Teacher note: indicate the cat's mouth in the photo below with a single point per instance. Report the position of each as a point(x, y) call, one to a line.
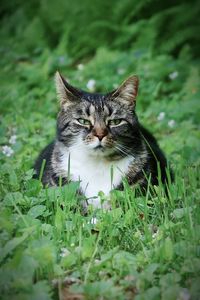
point(99, 147)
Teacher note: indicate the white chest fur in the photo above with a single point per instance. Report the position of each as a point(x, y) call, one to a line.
point(94, 172)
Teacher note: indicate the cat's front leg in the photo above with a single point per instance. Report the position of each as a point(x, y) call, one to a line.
point(98, 204)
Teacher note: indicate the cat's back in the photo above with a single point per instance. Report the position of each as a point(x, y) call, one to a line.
point(156, 157)
point(46, 156)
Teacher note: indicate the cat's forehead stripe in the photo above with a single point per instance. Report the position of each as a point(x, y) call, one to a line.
point(106, 110)
point(96, 99)
point(91, 109)
point(99, 108)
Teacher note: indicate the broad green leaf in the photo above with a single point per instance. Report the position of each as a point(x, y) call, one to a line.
point(33, 187)
point(167, 251)
point(43, 251)
point(36, 211)
point(12, 244)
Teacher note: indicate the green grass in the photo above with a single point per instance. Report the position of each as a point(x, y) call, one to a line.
point(144, 248)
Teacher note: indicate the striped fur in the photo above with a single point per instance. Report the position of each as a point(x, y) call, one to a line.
point(98, 133)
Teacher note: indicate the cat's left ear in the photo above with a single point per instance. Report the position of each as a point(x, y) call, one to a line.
point(127, 92)
point(67, 94)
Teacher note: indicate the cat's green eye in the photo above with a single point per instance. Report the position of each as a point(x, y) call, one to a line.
point(84, 122)
point(115, 122)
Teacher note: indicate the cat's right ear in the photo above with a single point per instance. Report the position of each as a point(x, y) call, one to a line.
point(127, 92)
point(67, 94)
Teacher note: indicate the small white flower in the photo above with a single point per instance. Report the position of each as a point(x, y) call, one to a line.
point(155, 234)
point(97, 261)
point(173, 75)
point(12, 139)
point(64, 252)
point(80, 67)
point(94, 221)
point(161, 116)
point(120, 71)
point(7, 151)
point(171, 123)
point(91, 85)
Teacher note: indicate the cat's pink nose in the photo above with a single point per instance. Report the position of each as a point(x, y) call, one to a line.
point(100, 133)
point(100, 137)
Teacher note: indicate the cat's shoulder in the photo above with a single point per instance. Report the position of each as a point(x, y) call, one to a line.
point(46, 154)
point(147, 135)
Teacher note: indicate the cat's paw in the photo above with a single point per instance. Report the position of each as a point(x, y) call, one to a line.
point(96, 203)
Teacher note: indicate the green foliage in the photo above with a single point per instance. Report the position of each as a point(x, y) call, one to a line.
point(73, 27)
point(145, 247)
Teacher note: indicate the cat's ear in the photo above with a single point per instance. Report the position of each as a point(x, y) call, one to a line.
point(127, 92)
point(67, 94)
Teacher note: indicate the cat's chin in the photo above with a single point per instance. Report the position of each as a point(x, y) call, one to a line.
point(99, 148)
point(102, 152)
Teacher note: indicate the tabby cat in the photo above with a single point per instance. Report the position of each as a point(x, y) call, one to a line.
point(97, 133)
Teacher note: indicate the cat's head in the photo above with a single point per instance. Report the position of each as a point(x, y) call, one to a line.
point(103, 124)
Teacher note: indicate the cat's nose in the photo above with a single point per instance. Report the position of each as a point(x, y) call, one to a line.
point(100, 137)
point(100, 133)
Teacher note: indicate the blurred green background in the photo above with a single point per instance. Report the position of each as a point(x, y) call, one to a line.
point(79, 28)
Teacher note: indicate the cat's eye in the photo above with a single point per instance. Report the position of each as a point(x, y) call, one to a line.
point(115, 122)
point(84, 122)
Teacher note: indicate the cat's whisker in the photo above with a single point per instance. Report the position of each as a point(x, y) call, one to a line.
point(124, 148)
point(122, 151)
point(96, 120)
